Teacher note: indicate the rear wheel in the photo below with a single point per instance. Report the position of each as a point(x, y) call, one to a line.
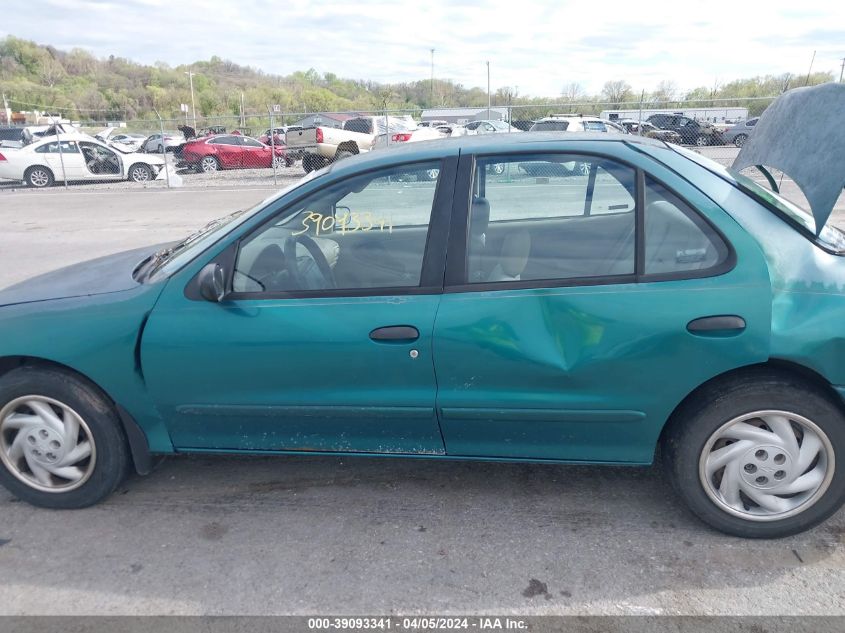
point(739, 139)
point(38, 177)
point(308, 163)
point(61, 444)
point(140, 173)
point(702, 140)
point(209, 164)
point(757, 456)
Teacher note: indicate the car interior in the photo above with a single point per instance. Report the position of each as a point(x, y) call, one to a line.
point(100, 160)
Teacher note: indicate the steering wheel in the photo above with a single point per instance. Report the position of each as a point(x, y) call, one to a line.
point(320, 260)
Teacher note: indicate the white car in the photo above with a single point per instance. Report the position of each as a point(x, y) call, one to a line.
point(492, 126)
point(406, 130)
point(128, 142)
point(575, 123)
point(172, 140)
point(78, 157)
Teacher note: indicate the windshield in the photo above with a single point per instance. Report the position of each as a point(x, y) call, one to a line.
point(830, 237)
point(168, 260)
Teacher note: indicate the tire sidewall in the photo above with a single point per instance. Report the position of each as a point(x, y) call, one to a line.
point(112, 456)
point(141, 165)
point(28, 177)
point(685, 444)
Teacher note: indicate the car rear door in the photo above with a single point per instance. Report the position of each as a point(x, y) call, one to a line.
point(254, 154)
point(579, 310)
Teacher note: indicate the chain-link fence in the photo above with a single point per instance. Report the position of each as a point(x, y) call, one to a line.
point(270, 147)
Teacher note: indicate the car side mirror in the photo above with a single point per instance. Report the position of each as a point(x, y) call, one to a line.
point(212, 283)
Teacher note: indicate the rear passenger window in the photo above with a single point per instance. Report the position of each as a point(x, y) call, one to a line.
point(677, 240)
point(551, 217)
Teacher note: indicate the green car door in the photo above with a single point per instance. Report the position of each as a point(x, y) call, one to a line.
point(323, 339)
point(580, 309)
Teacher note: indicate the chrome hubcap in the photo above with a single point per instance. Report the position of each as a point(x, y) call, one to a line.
point(39, 178)
point(46, 444)
point(767, 465)
point(139, 174)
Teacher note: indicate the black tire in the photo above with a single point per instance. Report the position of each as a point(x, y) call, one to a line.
point(308, 163)
point(112, 459)
point(140, 172)
point(209, 164)
point(38, 177)
point(702, 140)
point(341, 154)
point(739, 139)
point(701, 416)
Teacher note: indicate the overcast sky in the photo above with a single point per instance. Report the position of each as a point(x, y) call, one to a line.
point(539, 47)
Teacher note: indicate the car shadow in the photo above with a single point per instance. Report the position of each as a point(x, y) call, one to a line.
point(264, 535)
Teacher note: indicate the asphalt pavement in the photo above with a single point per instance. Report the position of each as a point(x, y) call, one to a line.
point(301, 535)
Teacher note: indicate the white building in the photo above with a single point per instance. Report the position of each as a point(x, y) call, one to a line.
point(715, 114)
point(464, 115)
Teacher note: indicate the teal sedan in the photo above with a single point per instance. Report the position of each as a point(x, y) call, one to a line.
point(543, 298)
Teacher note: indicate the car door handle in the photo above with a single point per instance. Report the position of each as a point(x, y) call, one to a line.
point(716, 323)
point(395, 333)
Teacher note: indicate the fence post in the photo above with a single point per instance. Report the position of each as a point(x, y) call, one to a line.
point(272, 145)
point(163, 148)
point(61, 155)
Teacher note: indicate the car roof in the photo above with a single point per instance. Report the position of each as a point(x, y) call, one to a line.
point(484, 143)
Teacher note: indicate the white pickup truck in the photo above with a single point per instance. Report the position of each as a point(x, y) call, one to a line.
point(322, 145)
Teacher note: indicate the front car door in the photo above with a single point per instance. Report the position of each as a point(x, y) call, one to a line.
point(568, 329)
point(228, 150)
point(324, 341)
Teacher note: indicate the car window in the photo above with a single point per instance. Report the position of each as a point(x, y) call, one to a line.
point(677, 239)
point(550, 126)
point(249, 142)
point(226, 140)
point(67, 147)
point(363, 126)
point(751, 122)
point(366, 232)
point(551, 217)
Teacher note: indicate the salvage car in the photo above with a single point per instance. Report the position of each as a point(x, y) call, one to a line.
point(75, 157)
point(230, 151)
point(665, 302)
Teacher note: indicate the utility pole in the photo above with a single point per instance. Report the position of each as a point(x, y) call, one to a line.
point(488, 90)
point(193, 103)
point(8, 110)
point(431, 97)
point(841, 70)
point(807, 80)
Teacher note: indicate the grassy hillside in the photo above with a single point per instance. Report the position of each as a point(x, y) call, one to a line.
point(82, 86)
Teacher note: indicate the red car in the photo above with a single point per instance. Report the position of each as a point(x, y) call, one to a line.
point(230, 151)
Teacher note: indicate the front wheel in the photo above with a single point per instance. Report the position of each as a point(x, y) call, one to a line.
point(702, 140)
point(140, 173)
point(757, 456)
point(61, 444)
point(739, 139)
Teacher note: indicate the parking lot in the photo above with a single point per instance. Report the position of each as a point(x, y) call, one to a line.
point(292, 535)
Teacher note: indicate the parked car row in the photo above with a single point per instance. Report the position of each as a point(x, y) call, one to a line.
point(75, 157)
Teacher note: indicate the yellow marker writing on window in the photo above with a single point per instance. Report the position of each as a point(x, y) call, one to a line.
point(345, 223)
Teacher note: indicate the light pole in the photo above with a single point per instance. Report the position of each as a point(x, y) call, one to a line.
point(488, 90)
point(193, 103)
point(431, 97)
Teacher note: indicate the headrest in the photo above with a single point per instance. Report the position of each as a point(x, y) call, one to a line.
point(516, 248)
point(479, 216)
